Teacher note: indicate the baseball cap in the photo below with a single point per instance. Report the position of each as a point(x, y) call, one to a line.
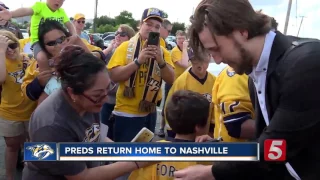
point(152, 13)
point(78, 16)
point(3, 5)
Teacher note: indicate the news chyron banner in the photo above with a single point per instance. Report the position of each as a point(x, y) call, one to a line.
point(141, 151)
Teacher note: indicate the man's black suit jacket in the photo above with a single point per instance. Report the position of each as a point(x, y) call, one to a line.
point(293, 105)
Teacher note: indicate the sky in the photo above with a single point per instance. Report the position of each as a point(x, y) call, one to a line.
point(181, 10)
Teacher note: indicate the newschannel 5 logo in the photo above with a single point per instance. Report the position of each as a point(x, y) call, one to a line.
point(40, 151)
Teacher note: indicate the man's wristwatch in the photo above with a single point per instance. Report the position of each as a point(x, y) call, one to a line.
point(164, 64)
point(136, 62)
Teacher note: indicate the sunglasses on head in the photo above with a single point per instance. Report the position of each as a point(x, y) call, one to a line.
point(122, 34)
point(13, 46)
point(81, 22)
point(60, 40)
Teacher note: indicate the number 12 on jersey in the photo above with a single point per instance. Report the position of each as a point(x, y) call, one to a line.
point(275, 150)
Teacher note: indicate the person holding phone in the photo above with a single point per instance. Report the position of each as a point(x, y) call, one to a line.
point(139, 66)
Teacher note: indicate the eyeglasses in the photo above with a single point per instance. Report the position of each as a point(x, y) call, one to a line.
point(122, 34)
point(111, 86)
point(60, 40)
point(13, 46)
point(81, 22)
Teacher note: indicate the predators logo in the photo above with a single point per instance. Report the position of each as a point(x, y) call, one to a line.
point(41, 151)
point(208, 96)
point(230, 72)
point(92, 134)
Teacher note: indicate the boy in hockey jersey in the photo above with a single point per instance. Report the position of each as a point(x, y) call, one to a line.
point(181, 116)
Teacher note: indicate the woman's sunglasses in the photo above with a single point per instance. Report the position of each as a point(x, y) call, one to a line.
point(81, 22)
point(122, 34)
point(60, 40)
point(13, 46)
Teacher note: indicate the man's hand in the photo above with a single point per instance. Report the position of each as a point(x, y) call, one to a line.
point(5, 14)
point(203, 138)
point(197, 172)
point(146, 53)
point(3, 43)
point(185, 44)
point(157, 53)
point(44, 77)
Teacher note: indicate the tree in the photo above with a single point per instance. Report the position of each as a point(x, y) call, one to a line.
point(164, 14)
point(177, 26)
point(102, 20)
point(125, 17)
point(106, 28)
point(88, 25)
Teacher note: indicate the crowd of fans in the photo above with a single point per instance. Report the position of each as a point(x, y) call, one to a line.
point(57, 87)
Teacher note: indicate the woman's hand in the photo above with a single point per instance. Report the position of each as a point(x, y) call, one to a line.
point(3, 43)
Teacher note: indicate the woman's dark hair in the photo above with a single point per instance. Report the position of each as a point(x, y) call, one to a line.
point(47, 26)
point(186, 110)
point(77, 69)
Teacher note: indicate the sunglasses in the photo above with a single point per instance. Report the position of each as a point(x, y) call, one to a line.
point(13, 46)
point(122, 34)
point(111, 86)
point(81, 22)
point(60, 40)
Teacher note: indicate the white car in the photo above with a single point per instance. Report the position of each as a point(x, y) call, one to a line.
point(170, 45)
point(215, 69)
point(171, 38)
point(107, 40)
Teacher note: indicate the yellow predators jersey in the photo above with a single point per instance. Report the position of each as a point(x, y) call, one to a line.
point(189, 81)
point(162, 170)
point(232, 104)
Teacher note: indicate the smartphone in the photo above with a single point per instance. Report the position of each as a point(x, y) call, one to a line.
point(154, 38)
point(145, 135)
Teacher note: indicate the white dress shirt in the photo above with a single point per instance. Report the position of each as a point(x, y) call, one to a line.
point(259, 75)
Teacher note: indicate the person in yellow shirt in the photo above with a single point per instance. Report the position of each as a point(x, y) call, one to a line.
point(179, 57)
point(15, 108)
point(180, 113)
point(79, 21)
point(179, 54)
point(139, 69)
point(25, 45)
point(165, 31)
point(233, 109)
point(124, 33)
point(196, 79)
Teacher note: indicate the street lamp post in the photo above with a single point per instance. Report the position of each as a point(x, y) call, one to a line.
point(95, 16)
point(288, 17)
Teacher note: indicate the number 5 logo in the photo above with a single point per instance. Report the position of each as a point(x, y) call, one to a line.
point(275, 150)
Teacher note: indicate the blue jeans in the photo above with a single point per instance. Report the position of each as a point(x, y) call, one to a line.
point(105, 114)
point(126, 128)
